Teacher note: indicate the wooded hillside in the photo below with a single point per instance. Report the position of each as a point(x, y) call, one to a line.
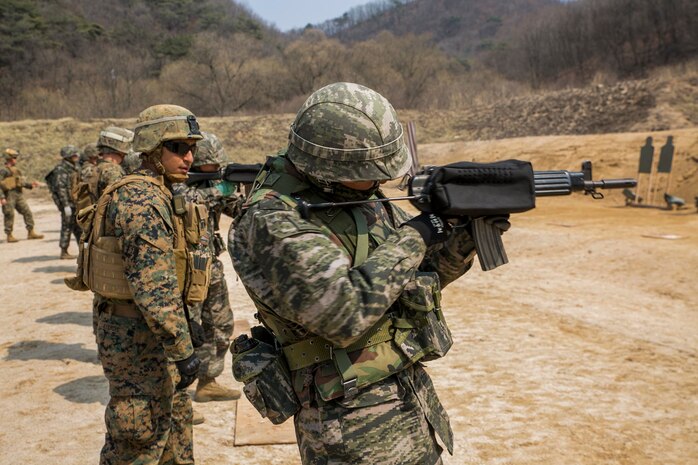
point(111, 59)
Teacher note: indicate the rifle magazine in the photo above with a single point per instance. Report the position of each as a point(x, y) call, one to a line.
point(488, 244)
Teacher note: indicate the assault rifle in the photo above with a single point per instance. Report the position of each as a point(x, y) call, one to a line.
point(476, 190)
point(234, 172)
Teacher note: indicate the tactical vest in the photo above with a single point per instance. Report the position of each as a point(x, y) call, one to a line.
point(12, 182)
point(101, 266)
point(412, 329)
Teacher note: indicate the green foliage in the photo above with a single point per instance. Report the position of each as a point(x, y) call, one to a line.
point(174, 47)
point(450, 26)
point(21, 28)
point(247, 25)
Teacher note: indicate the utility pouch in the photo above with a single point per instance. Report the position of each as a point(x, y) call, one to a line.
point(261, 366)
point(195, 222)
point(199, 276)
point(421, 331)
point(105, 273)
point(9, 183)
point(84, 220)
point(84, 195)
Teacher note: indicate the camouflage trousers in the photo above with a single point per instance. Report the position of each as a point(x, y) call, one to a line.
point(216, 317)
point(16, 201)
point(391, 422)
point(148, 422)
point(69, 225)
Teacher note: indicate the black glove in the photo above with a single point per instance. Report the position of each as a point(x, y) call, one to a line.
point(188, 371)
point(501, 222)
point(197, 333)
point(431, 227)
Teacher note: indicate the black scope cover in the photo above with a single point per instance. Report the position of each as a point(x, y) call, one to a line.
point(481, 189)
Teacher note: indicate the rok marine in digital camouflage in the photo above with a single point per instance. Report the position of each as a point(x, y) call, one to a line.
point(61, 181)
point(352, 295)
point(214, 313)
point(11, 185)
point(143, 339)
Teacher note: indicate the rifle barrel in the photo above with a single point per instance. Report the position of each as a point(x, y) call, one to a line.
point(563, 182)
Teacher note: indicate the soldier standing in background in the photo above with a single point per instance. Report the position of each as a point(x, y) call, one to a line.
point(351, 294)
point(114, 144)
point(215, 314)
point(143, 340)
point(11, 198)
point(88, 162)
point(82, 188)
point(61, 181)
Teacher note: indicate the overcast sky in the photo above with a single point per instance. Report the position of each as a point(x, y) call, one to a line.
point(289, 14)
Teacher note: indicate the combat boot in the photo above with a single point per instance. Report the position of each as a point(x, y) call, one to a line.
point(65, 255)
point(31, 234)
point(197, 418)
point(207, 390)
point(11, 238)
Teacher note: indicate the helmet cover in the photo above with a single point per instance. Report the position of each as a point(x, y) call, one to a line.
point(115, 139)
point(348, 132)
point(209, 151)
point(161, 123)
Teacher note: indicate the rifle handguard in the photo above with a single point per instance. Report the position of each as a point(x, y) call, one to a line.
point(475, 189)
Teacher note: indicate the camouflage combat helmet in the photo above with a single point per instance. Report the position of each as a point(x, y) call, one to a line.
point(89, 151)
point(161, 123)
point(210, 151)
point(69, 150)
point(11, 153)
point(115, 139)
point(348, 132)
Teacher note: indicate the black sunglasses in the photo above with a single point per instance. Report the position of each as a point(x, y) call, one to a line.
point(180, 148)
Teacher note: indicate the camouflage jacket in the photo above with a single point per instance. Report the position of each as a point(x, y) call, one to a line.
point(63, 177)
point(87, 170)
point(217, 200)
point(301, 272)
point(141, 216)
point(131, 162)
point(107, 173)
point(6, 172)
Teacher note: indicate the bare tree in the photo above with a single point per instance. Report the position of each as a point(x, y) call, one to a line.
point(220, 77)
point(313, 60)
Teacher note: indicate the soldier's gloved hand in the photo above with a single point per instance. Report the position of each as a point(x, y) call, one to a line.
point(197, 333)
point(431, 227)
point(501, 222)
point(68, 212)
point(226, 188)
point(188, 371)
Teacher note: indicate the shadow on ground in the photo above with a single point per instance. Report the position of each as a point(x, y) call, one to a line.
point(55, 269)
point(87, 390)
point(37, 258)
point(68, 318)
point(44, 350)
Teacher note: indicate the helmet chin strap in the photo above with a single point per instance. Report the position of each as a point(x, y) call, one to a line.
point(153, 159)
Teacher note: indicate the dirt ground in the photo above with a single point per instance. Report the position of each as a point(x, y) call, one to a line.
point(582, 350)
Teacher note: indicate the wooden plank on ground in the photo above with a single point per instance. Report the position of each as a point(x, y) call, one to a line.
point(250, 427)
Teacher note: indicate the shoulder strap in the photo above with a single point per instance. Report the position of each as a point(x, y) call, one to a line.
point(106, 198)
